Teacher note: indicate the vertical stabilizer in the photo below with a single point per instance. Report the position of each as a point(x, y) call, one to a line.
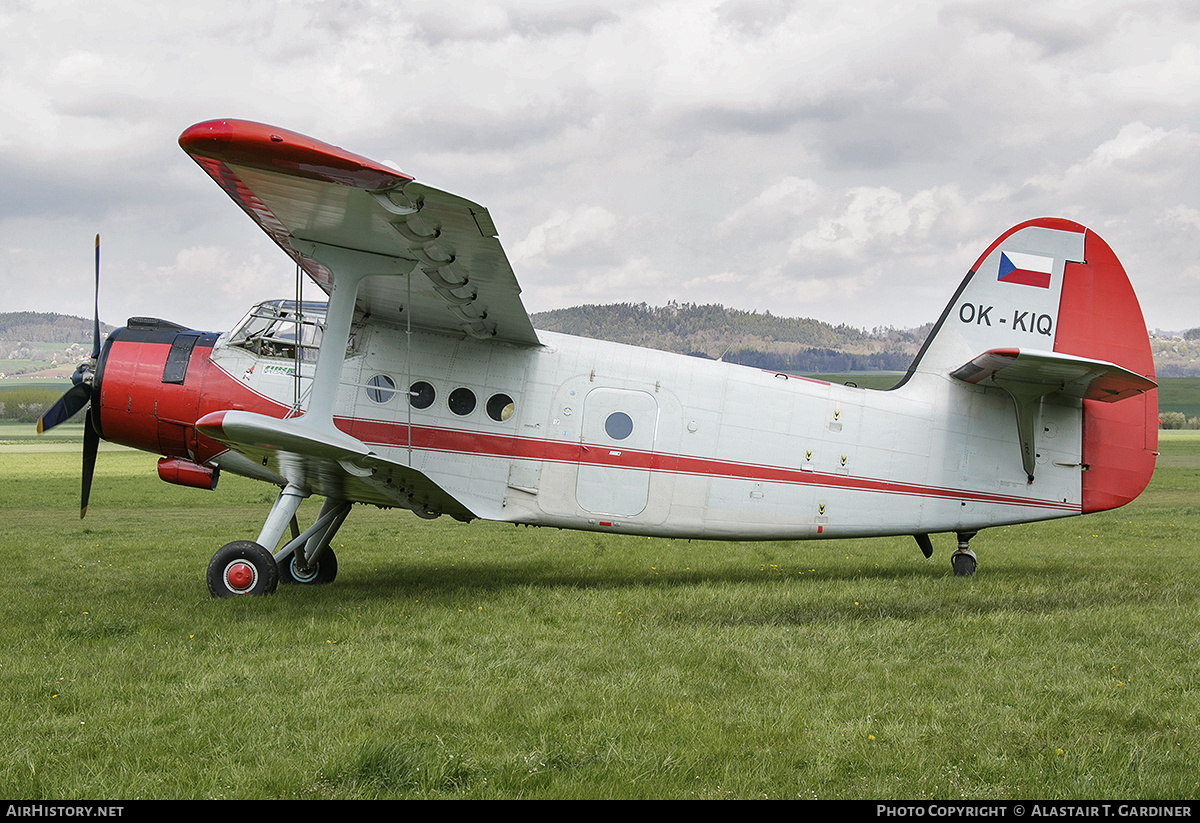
point(1044, 290)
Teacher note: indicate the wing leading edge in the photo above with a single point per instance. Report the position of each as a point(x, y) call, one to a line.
point(331, 211)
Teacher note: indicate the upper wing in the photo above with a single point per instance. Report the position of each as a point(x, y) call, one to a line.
point(329, 209)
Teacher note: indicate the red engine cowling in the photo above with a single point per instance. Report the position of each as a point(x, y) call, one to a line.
point(154, 380)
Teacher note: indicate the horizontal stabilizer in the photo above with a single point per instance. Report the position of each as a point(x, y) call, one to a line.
point(1059, 373)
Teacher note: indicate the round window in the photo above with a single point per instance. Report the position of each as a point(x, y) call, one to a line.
point(421, 395)
point(500, 407)
point(618, 425)
point(380, 388)
point(462, 401)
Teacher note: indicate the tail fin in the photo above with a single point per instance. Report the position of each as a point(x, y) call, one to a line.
point(1051, 295)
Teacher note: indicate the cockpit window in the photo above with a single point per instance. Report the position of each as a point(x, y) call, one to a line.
point(270, 330)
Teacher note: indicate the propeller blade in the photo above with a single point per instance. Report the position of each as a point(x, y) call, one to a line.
point(91, 442)
point(96, 325)
point(91, 437)
point(70, 403)
point(77, 397)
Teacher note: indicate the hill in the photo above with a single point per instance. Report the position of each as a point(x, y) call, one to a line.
point(792, 344)
point(795, 344)
point(43, 344)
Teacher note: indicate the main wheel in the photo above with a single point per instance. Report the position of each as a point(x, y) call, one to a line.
point(324, 571)
point(242, 568)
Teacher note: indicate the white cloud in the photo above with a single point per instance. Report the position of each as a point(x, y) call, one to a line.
point(756, 153)
point(566, 233)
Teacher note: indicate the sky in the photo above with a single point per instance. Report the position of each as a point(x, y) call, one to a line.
point(844, 160)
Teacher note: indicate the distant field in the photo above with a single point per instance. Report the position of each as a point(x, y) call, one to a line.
point(1179, 394)
point(26, 398)
point(487, 661)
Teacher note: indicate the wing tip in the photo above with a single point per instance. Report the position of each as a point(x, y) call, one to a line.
point(261, 146)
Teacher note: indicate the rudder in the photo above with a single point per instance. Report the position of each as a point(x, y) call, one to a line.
point(1099, 317)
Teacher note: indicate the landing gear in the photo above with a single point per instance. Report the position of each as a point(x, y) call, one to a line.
point(322, 570)
point(242, 568)
point(245, 567)
point(963, 559)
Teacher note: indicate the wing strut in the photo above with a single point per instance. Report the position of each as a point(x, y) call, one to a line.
point(351, 268)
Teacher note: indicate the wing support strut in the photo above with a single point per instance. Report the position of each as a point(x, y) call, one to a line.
point(351, 267)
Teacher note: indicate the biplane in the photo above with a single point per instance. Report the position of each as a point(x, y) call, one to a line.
point(416, 380)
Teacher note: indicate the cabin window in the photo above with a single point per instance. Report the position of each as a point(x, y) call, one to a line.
point(380, 388)
point(500, 407)
point(462, 401)
point(421, 395)
point(618, 425)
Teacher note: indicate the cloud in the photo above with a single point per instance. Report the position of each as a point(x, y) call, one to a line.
point(584, 230)
point(756, 153)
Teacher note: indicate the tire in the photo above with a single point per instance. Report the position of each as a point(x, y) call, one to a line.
point(325, 571)
point(242, 568)
point(963, 563)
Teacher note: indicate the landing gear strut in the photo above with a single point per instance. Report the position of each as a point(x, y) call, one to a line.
point(245, 567)
point(963, 559)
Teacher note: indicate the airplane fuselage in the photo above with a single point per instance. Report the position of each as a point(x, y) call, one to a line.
point(587, 434)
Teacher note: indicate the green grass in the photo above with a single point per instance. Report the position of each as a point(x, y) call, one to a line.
point(488, 661)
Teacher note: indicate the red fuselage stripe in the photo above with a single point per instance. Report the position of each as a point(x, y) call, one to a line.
point(454, 441)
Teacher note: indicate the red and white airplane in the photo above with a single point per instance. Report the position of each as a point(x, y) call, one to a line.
point(418, 382)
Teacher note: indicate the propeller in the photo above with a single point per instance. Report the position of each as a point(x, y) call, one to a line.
point(78, 396)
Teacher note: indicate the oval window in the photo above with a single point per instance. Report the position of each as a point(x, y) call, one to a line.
point(618, 425)
point(500, 407)
point(421, 395)
point(462, 401)
point(380, 388)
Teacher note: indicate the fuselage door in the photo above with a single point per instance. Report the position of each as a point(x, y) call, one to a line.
point(619, 428)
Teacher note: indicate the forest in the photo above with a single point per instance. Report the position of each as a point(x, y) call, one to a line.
point(762, 340)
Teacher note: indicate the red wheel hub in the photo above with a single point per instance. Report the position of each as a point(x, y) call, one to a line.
point(240, 576)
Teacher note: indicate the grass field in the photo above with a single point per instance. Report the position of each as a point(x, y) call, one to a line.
point(488, 661)
point(1179, 394)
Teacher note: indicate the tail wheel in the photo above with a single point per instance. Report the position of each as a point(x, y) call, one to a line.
point(963, 562)
point(242, 568)
point(324, 571)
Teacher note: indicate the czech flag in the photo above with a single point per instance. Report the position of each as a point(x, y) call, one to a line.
point(1026, 269)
